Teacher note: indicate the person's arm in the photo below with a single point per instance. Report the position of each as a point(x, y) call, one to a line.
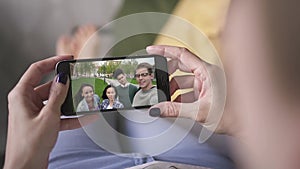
point(32, 126)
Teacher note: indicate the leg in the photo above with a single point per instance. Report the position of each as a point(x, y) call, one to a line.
point(74, 149)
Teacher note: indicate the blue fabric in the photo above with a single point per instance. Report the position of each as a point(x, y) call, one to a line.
point(214, 153)
point(74, 149)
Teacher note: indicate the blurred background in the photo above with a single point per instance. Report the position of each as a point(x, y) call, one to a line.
point(29, 31)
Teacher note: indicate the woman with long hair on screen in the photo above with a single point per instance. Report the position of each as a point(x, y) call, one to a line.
point(109, 97)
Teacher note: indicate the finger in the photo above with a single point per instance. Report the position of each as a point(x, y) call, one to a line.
point(89, 30)
point(187, 61)
point(38, 69)
point(172, 66)
point(192, 111)
point(176, 109)
point(74, 123)
point(58, 93)
point(203, 82)
point(43, 90)
point(181, 82)
point(63, 45)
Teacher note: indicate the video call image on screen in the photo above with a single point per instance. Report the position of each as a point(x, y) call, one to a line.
point(113, 84)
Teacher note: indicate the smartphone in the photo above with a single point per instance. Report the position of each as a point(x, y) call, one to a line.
point(114, 83)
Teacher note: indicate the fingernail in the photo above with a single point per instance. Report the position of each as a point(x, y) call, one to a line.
point(154, 112)
point(62, 78)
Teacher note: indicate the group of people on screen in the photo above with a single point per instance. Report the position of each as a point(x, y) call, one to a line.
point(123, 95)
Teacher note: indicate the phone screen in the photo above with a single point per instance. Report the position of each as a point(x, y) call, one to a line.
point(110, 84)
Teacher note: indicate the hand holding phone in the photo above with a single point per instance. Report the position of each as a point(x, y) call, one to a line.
point(205, 101)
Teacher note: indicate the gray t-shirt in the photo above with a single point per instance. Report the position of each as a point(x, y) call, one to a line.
point(143, 98)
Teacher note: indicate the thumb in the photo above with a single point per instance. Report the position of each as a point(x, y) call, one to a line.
point(176, 109)
point(58, 93)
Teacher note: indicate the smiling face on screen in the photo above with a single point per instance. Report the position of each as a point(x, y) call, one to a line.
point(144, 78)
point(87, 93)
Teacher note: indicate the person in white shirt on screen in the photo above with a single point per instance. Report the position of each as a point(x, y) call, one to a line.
point(147, 93)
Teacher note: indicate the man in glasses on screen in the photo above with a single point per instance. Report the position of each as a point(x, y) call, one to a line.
point(147, 93)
